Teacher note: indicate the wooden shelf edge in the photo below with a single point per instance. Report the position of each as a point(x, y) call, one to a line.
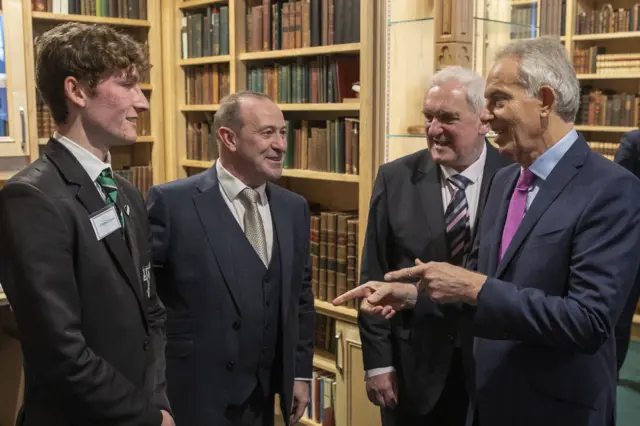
point(611, 129)
point(636, 319)
point(344, 106)
point(199, 108)
point(336, 312)
point(196, 163)
point(204, 60)
point(324, 361)
point(606, 36)
point(611, 76)
point(199, 3)
point(6, 175)
point(308, 422)
point(315, 175)
point(57, 17)
point(139, 139)
point(305, 51)
point(146, 86)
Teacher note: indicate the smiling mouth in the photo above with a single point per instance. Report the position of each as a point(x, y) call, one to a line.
point(132, 120)
point(275, 159)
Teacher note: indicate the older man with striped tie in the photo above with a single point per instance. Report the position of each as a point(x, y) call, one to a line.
point(425, 205)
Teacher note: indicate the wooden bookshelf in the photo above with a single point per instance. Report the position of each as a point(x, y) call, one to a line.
point(604, 129)
point(302, 174)
point(220, 59)
point(60, 18)
point(610, 76)
point(319, 187)
point(307, 51)
point(194, 4)
point(606, 36)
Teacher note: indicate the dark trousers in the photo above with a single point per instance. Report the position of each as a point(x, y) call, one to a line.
point(450, 410)
point(257, 410)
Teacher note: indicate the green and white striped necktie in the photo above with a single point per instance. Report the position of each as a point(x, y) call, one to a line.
point(110, 189)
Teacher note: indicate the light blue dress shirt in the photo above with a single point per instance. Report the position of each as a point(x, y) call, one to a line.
point(544, 164)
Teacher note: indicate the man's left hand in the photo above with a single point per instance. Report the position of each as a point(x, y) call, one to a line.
point(443, 282)
point(301, 398)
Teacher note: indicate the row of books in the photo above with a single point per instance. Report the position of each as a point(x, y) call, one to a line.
point(318, 80)
point(206, 84)
point(321, 408)
point(606, 19)
point(282, 24)
point(593, 60)
point(201, 141)
point(524, 17)
point(324, 336)
point(334, 254)
point(139, 176)
point(552, 17)
point(131, 9)
point(325, 146)
point(605, 148)
point(205, 33)
point(603, 107)
point(46, 125)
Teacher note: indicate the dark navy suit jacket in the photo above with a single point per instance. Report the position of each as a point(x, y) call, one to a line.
point(544, 345)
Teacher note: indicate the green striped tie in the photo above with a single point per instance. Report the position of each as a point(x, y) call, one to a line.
point(110, 189)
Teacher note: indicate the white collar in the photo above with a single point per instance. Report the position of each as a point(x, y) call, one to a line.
point(89, 162)
point(233, 186)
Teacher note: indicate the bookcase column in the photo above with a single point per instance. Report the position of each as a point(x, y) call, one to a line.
point(453, 33)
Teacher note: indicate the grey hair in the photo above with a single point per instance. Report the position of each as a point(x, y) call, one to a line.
point(229, 114)
point(544, 61)
point(473, 83)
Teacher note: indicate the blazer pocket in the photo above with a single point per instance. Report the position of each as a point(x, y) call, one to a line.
point(545, 237)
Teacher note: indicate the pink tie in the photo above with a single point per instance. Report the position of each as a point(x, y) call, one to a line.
point(516, 208)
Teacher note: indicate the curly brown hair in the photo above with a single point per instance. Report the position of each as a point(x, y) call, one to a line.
point(88, 52)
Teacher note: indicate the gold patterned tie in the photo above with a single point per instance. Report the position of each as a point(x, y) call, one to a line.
point(253, 227)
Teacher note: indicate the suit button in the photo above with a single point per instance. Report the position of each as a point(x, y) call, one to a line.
point(267, 279)
point(230, 365)
point(268, 304)
point(267, 326)
point(237, 325)
point(145, 346)
point(264, 349)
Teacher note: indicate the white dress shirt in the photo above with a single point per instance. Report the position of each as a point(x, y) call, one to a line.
point(230, 188)
point(89, 162)
point(474, 173)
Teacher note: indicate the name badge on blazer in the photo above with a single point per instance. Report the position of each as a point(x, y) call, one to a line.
point(105, 221)
point(146, 279)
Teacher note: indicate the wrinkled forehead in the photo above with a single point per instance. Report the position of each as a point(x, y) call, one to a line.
point(260, 112)
point(504, 76)
point(446, 98)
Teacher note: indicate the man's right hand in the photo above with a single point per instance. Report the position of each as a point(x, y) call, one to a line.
point(167, 420)
point(382, 390)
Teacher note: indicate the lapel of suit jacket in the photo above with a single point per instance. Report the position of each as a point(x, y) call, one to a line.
point(550, 188)
point(429, 190)
point(90, 198)
point(284, 233)
point(215, 217)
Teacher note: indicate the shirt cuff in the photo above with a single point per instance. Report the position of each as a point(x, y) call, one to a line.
point(377, 371)
point(303, 379)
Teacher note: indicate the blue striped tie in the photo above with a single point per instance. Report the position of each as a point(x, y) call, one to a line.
point(456, 221)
